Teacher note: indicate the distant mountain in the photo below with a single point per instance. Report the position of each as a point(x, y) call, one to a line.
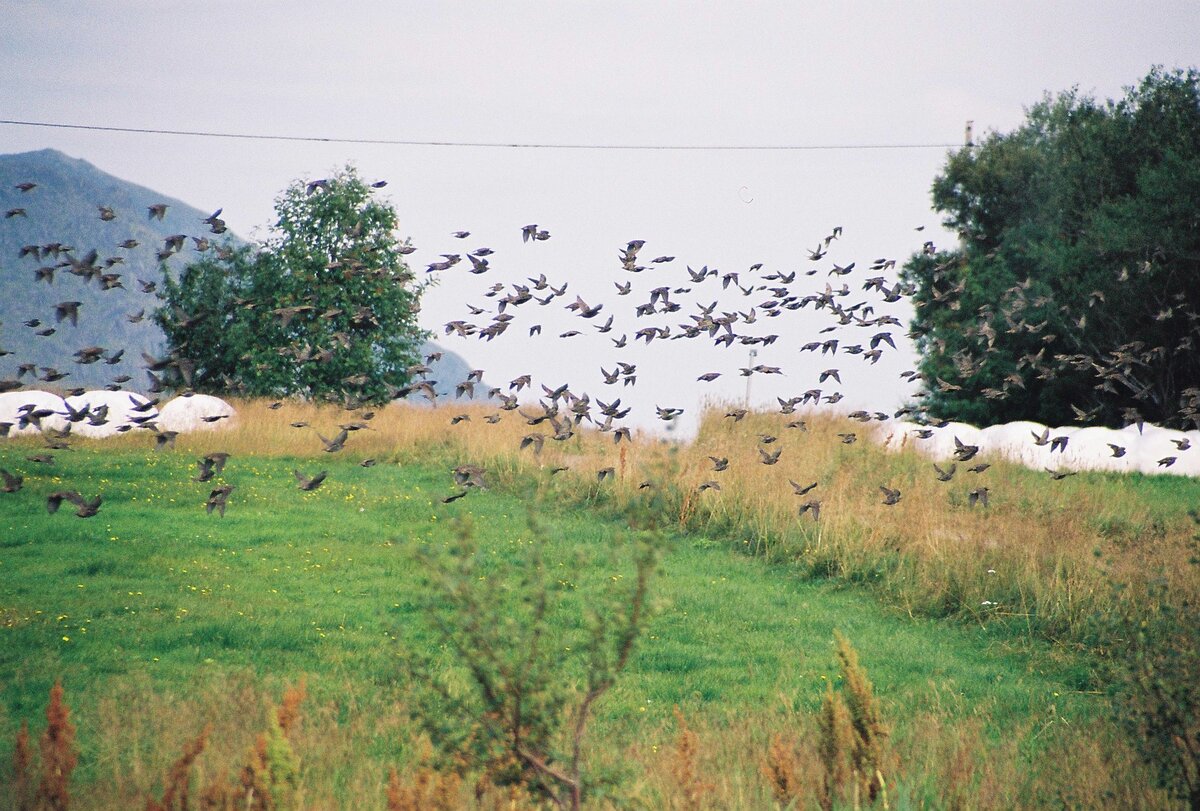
point(59, 220)
point(64, 209)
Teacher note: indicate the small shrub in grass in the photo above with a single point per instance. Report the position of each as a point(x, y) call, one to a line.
point(836, 744)
point(22, 761)
point(176, 792)
point(58, 754)
point(58, 760)
point(870, 733)
point(852, 736)
point(521, 714)
point(851, 747)
point(270, 780)
point(784, 772)
point(428, 790)
point(273, 772)
point(691, 788)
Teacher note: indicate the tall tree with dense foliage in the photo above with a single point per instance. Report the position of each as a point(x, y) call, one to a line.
point(325, 307)
point(1074, 292)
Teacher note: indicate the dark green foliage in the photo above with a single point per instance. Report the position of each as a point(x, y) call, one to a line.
point(1074, 293)
point(324, 308)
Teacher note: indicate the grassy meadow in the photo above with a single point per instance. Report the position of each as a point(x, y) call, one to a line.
point(981, 630)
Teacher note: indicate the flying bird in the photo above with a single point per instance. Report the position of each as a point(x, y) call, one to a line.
point(1059, 475)
point(67, 309)
point(470, 476)
point(306, 484)
point(12, 482)
point(769, 458)
point(84, 508)
point(337, 443)
point(964, 452)
point(813, 506)
point(218, 498)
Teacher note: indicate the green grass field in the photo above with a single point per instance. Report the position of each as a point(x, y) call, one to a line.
point(154, 615)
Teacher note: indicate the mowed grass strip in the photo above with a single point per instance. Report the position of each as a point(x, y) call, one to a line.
point(155, 594)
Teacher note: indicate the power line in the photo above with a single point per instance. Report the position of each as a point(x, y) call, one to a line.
point(477, 144)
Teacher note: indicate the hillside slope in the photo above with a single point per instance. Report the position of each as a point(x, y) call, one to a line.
point(63, 209)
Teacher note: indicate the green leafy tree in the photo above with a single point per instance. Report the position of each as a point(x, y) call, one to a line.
point(325, 307)
point(1074, 292)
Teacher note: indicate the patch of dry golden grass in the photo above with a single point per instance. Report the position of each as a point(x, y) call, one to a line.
point(772, 757)
point(1031, 554)
point(1043, 556)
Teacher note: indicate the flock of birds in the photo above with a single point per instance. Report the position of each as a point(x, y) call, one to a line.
point(670, 307)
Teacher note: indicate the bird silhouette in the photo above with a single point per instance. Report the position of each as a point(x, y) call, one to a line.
point(218, 498)
point(12, 482)
point(84, 508)
point(306, 484)
point(470, 476)
point(337, 443)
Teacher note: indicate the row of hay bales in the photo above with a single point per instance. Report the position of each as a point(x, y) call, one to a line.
point(183, 414)
point(1147, 449)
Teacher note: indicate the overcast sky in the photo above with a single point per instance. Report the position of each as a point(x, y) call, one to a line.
point(612, 73)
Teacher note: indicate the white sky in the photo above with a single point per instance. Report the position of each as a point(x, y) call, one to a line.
point(598, 73)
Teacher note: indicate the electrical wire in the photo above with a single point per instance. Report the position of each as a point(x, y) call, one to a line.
point(475, 144)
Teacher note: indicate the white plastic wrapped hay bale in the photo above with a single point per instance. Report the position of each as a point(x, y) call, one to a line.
point(1144, 431)
point(945, 440)
point(1156, 447)
point(199, 412)
point(120, 405)
point(1055, 453)
point(1089, 449)
point(897, 436)
point(1014, 441)
point(1187, 461)
point(12, 402)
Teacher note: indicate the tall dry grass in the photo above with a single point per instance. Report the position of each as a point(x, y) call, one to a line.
point(1043, 558)
point(312, 757)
